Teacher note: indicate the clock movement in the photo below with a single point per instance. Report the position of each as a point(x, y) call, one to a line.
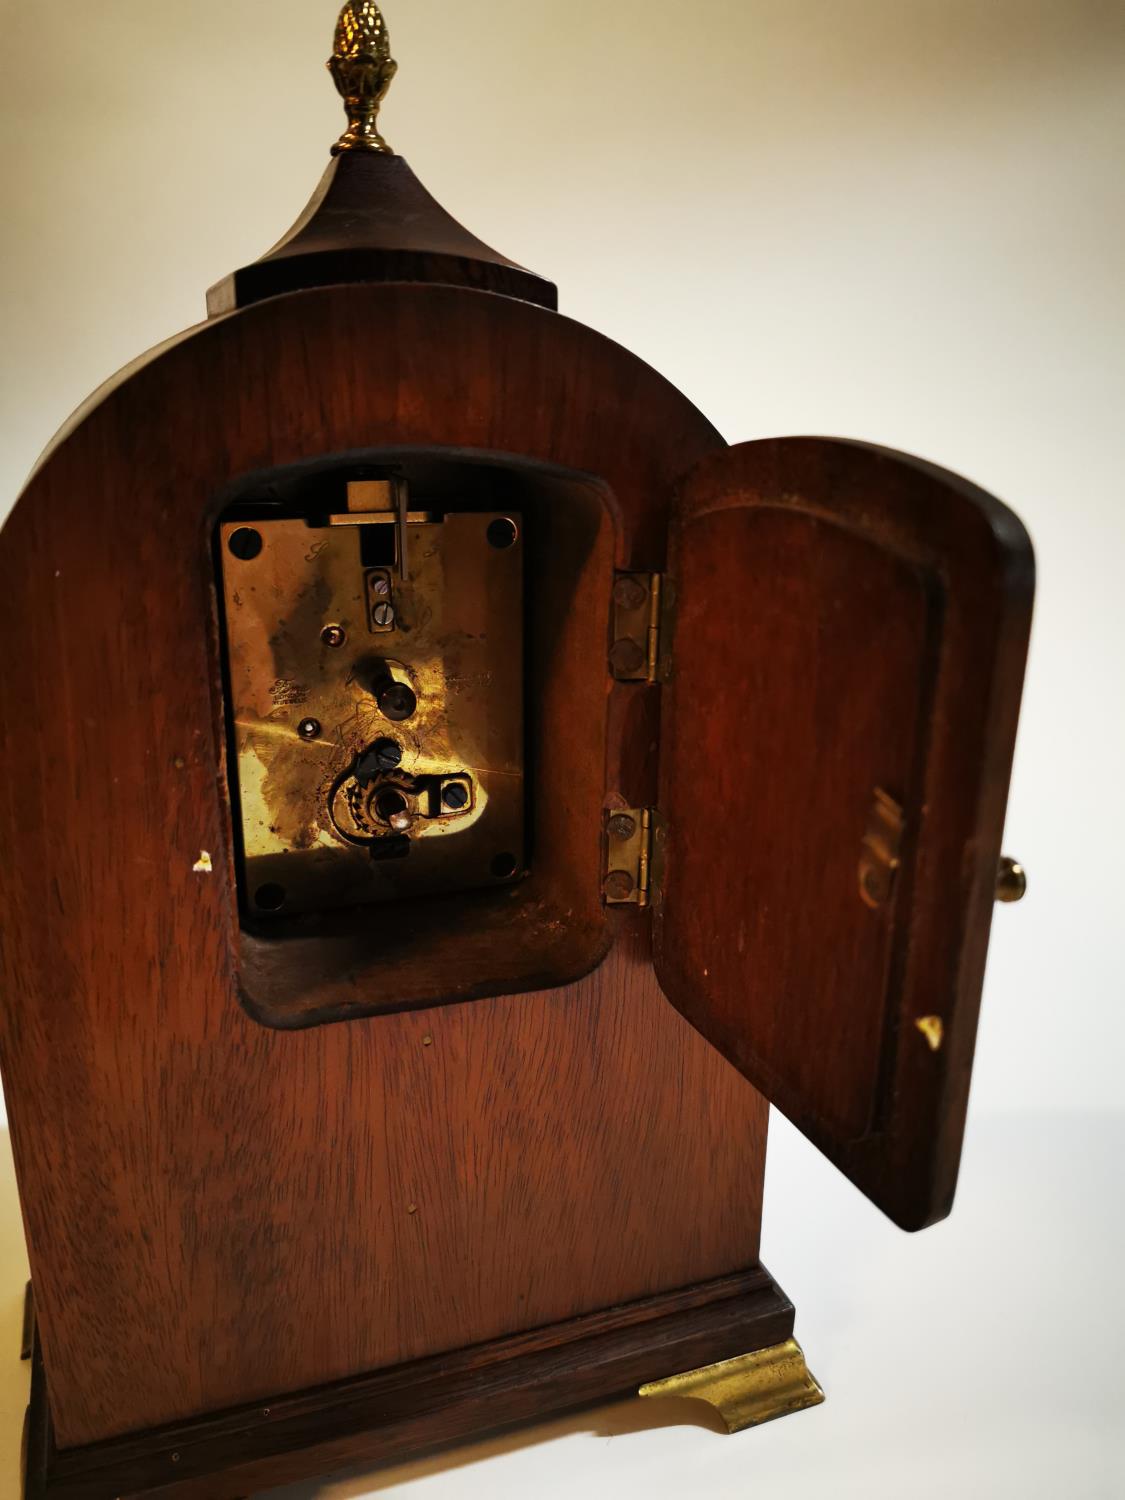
point(450, 795)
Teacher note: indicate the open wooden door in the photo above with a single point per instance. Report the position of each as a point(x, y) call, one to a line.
point(848, 638)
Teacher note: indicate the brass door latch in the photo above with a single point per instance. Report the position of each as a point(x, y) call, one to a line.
point(880, 857)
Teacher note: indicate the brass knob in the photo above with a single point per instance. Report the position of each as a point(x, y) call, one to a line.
point(362, 68)
point(1011, 881)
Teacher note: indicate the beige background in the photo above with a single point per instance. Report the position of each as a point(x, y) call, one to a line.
point(890, 219)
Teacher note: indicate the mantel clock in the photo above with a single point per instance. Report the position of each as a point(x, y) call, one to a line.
point(450, 793)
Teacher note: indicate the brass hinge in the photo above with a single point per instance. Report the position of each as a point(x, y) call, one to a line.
point(640, 608)
point(629, 872)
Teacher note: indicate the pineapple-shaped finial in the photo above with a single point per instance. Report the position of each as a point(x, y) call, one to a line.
point(362, 68)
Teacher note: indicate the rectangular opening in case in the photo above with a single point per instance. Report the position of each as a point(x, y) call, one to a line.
point(415, 668)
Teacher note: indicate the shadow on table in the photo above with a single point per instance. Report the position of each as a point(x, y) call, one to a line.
point(621, 1419)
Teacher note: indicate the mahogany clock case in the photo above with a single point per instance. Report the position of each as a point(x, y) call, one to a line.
point(344, 1183)
point(234, 1193)
point(219, 1211)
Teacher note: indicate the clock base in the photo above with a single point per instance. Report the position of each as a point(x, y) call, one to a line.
point(396, 1414)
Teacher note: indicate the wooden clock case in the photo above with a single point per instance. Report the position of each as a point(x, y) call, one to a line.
point(344, 1186)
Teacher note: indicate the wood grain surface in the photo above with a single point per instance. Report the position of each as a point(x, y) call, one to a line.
point(848, 620)
point(415, 1408)
point(217, 1211)
point(370, 219)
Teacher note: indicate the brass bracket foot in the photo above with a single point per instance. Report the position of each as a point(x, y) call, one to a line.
point(751, 1389)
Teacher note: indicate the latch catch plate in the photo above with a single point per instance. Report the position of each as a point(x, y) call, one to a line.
point(880, 850)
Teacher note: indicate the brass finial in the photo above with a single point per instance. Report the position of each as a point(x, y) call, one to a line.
point(362, 68)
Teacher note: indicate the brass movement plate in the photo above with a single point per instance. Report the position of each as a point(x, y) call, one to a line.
point(330, 661)
point(749, 1390)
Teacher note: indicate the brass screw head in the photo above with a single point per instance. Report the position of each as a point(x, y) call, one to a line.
point(622, 826)
point(629, 593)
point(388, 755)
point(627, 656)
point(383, 755)
point(619, 885)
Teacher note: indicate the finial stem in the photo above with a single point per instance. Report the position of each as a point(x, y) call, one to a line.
point(362, 68)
